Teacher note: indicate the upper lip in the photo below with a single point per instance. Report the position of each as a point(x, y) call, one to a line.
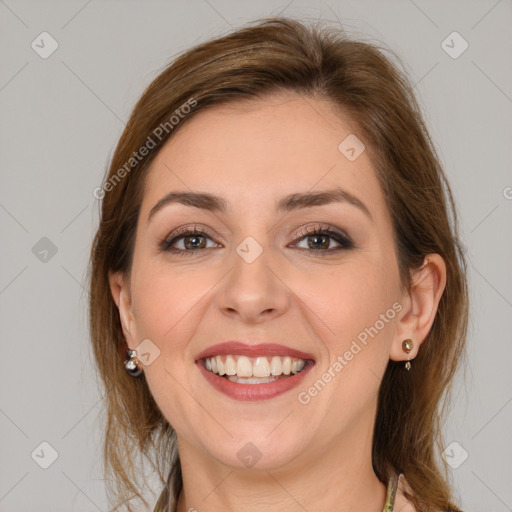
point(252, 350)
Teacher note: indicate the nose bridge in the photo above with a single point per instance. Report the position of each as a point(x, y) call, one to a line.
point(252, 260)
point(252, 288)
point(253, 239)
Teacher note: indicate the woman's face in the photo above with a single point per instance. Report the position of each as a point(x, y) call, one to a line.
point(260, 277)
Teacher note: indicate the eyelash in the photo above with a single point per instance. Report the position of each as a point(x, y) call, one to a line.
point(344, 241)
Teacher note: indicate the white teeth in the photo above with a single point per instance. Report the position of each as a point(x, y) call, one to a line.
point(276, 366)
point(261, 368)
point(220, 366)
point(230, 366)
point(287, 363)
point(251, 380)
point(242, 368)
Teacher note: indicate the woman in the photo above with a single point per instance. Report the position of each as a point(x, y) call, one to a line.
point(278, 294)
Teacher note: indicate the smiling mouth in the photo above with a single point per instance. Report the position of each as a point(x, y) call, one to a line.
point(255, 370)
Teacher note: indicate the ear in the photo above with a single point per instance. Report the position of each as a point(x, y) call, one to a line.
point(420, 304)
point(120, 289)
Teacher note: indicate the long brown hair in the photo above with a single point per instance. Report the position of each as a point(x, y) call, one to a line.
point(276, 55)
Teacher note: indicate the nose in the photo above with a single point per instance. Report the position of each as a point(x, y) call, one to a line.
point(254, 290)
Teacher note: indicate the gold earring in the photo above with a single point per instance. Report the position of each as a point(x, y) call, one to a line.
point(407, 346)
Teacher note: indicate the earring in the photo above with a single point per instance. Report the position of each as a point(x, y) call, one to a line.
point(407, 346)
point(132, 364)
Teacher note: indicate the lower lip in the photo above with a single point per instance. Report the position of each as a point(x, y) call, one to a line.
point(253, 392)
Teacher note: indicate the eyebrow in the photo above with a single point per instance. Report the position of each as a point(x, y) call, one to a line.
point(288, 203)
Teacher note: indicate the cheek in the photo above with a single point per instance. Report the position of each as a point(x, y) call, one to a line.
point(349, 308)
point(348, 299)
point(167, 303)
point(355, 303)
point(169, 309)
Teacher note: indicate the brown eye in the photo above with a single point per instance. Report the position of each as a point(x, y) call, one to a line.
point(319, 240)
point(191, 241)
point(195, 241)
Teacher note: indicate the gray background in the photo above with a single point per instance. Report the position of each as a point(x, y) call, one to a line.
point(60, 120)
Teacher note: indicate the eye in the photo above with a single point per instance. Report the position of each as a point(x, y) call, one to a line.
point(319, 240)
point(192, 240)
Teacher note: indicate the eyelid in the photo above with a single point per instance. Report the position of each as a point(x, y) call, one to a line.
point(304, 231)
point(298, 235)
point(177, 233)
point(185, 229)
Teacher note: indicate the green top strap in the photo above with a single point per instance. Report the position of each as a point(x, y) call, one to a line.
point(390, 498)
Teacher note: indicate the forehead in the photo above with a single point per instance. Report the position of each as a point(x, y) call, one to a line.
point(252, 153)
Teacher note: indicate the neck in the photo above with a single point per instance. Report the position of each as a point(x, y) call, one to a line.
point(325, 477)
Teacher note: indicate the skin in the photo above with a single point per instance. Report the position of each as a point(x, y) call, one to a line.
point(314, 456)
